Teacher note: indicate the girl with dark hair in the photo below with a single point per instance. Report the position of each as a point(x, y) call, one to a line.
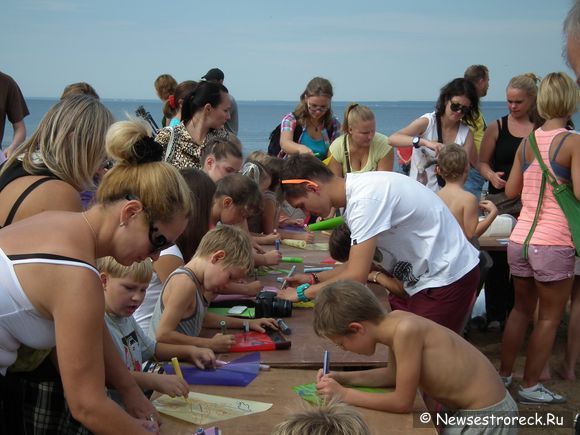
point(449, 123)
point(202, 189)
point(172, 107)
point(314, 116)
point(203, 115)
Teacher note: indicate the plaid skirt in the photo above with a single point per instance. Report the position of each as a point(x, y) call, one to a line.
point(34, 404)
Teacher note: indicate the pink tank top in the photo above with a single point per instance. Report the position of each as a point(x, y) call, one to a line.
point(552, 227)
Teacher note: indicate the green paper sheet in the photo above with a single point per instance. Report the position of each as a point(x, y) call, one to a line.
point(248, 313)
point(308, 392)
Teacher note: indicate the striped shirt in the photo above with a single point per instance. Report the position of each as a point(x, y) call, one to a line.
point(552, 228)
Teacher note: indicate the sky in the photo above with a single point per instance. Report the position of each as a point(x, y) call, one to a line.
point(371, 50)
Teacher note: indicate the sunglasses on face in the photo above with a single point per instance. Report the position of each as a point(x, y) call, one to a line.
point(456, 107)
point(158, 241)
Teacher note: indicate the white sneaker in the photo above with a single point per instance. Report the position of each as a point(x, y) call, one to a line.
point(507, 380)
point(494, 325)
point(539, 394)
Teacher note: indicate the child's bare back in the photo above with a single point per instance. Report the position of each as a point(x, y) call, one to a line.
point(463, 205)
point(452, 371)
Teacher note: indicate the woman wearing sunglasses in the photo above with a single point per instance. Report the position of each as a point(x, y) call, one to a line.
point(454, 110)
point(52, 295)
point(318, 127)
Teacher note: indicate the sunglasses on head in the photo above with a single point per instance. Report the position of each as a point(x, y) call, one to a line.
point(300, 181)
point(456, 107)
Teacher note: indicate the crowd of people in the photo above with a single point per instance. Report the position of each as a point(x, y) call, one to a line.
point(115, 239)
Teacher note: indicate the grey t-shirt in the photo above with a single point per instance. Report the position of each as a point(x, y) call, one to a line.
point(133, 345)
point(193, 324)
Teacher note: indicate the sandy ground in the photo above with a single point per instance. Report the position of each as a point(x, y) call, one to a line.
point(489, 343)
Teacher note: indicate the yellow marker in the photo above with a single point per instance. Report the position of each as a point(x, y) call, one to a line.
point(177, 370)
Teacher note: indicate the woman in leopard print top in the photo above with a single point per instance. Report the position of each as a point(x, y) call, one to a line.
point(203, 114)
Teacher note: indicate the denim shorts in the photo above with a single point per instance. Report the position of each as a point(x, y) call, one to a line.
point(545, 263)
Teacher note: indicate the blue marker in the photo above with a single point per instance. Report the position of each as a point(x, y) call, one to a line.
point(317, 269)
point(277, 244)
point(325, 363)
point(285, 283)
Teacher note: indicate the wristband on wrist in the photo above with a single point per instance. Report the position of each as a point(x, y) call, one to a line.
point(377, 273)
point(300, 292)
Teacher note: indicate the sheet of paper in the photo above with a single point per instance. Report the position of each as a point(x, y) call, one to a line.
point(308, 392)
point(238, 373)
point(205, 408)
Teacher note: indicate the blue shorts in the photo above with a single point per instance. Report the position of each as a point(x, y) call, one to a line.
point(545, 263)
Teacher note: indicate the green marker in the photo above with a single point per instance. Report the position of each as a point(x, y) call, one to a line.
point(327, 224)
point(292, 260)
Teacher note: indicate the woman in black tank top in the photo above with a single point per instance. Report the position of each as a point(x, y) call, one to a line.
point(496, 157)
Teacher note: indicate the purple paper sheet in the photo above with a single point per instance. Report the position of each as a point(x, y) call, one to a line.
point(238, 373)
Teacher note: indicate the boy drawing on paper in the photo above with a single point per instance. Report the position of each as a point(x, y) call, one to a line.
point(224, 255)
point(125, 288)
point(453, 166)
point(423, 355)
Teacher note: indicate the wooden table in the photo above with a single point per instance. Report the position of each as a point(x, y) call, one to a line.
point(307, 348)
point(275, 387)
point(492, 244)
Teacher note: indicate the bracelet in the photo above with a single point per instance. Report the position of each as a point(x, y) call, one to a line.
point(315, 279)
point(377, 273)
point(300, 292)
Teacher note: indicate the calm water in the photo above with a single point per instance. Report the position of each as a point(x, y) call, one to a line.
point(258, 118)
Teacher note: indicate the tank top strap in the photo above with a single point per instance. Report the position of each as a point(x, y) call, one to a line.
point(43, 258)
point(22, 197)
point(557, 150)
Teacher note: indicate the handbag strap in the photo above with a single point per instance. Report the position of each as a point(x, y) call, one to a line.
point(346, 154)
point(169, 150)
point(546, 177)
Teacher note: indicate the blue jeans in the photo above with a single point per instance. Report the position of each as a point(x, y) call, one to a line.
point(474, 182)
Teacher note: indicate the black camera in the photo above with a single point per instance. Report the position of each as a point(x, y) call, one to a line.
point(268, 305)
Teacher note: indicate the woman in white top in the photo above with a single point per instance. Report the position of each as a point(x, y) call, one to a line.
point(360, 148)
point(141, 207)
point(454, 111)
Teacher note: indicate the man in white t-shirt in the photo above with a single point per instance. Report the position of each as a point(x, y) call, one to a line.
point(420, 242)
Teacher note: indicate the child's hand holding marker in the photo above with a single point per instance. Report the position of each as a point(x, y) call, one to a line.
point(221, 342)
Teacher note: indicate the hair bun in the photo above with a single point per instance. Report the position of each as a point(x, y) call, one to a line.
point(146, 150)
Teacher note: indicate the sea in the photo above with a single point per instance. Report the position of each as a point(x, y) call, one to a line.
point(258, 118)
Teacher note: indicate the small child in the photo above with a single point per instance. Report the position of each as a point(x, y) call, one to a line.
point(237, 198)
point(224, 255)
point(267, 222)
point(333, 418)
point(339, 249)
point(124, 288)
point(422, 354)
point(220, 158)
point(453, 166)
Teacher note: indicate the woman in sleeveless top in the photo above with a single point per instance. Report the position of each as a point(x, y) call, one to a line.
point(141, 207)
point(360, 148)
point(496, 156)
point(204, 113)
point(314, 115)
point(449, 123)
point(545, 276)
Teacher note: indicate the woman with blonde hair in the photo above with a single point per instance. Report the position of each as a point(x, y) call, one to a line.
point(58, 161)
point(360, 148)
point(52, 292)
point(496, 157)
point(543, 273)
point(313, 120)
